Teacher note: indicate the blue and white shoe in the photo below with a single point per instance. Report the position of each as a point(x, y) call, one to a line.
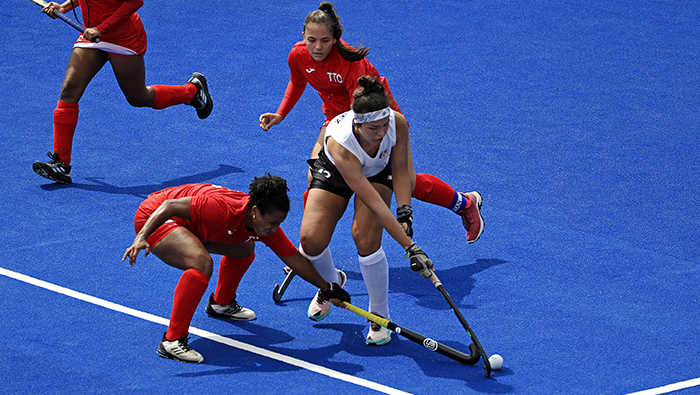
point(378, 335)
point(319, 308)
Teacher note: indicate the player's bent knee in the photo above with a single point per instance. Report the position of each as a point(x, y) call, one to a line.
point(310, 247)
point(203, 263)
point(138, 101)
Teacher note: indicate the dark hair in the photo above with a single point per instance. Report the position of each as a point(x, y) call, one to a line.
point(325, 15)
point(269, 193)
point(370, 96)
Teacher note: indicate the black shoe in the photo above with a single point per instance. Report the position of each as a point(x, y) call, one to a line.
point(54, 170)
point(202, 100)
point(232, 311)
point(179, 350)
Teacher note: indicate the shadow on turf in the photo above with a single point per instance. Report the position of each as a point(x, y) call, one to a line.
point(234, 361)
point(458, 282)
point(144, 190)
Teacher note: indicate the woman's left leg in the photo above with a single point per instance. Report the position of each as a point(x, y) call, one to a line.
point(130, 72)
point(367, 233)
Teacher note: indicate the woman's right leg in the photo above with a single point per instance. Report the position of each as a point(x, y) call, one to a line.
point(183, 250)
point(323, 211)
point(83, 65)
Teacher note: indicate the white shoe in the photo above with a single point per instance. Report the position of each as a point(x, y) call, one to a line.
point(232, 311)
point(179, 350)
point(378, 335)
point(319, 308)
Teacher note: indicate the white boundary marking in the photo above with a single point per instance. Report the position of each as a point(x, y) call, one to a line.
point(669, 388)
point(205, 334)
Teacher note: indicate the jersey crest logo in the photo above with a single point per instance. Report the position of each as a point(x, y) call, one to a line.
point(309, 71)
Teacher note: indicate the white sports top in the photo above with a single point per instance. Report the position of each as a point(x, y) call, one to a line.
point(341, 129)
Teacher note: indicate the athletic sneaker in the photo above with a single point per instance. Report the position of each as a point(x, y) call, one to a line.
point(202, 100)
point(54, 170)
point(319, 308)
point(378, 335)
point(179, 350)
point(471, 216)
point(232, 311)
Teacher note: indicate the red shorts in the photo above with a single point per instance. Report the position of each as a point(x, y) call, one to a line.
point(143, 213)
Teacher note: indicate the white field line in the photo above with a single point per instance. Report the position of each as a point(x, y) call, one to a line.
point(669, 388)
point(202, 333)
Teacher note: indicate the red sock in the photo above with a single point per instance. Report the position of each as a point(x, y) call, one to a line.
point(65, 119)
point(188, 293)
point(170, 95)
point(433, 190)
point(231, 271)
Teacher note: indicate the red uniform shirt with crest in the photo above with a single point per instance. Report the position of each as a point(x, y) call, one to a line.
point(218, 215)
point(334, 78)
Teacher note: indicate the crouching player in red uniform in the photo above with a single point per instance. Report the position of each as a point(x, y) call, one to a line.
point(183, 225)
point(122, 44)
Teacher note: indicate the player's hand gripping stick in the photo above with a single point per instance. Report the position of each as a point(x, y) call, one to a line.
point(420, 263)
point(334, 291)
point(404, 215)
point(58, 14)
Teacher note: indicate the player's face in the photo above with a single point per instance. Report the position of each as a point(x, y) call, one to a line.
point(265, 225)
point(374, 132)
point(319, 41)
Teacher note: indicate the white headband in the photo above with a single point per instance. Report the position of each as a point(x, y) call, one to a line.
point(368, 117)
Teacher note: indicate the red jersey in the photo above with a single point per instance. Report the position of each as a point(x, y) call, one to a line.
point(117, 22)
point(335, 79)
point(218, 216)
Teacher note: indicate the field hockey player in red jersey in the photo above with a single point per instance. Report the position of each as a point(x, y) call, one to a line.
point(183, 225)
point(123, 44)
point(332, 67)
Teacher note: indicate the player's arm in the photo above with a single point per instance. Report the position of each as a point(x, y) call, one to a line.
point(400, 175)
point(350, 169)
point(62, 8)
point(295, 88)
point(123, 13)
point(168, 209)
point(308, 272)
point(399, 162)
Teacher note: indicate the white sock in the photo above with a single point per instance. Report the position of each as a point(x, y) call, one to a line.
point(323, 262)
point(375, 272)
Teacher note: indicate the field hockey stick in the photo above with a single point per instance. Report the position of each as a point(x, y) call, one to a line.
point(279, 290)
point(428, 343)
point(64, 18)
point(438, 284)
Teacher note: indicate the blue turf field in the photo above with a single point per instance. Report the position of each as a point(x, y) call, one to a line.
point(577, 120)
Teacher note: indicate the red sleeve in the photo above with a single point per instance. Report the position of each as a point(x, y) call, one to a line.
point(125, 10)
point(296, 86)
point(280, 244)
point(291, 96)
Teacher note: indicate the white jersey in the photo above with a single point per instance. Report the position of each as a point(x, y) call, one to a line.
point(341, 129)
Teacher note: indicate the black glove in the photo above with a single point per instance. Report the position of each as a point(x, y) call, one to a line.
point(420, 263)
point(405, 216)
point(334, 291)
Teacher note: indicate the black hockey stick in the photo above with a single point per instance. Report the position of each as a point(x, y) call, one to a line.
point(428, 343)
point(64, 18)
point(441, 288)
point(279, 290)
